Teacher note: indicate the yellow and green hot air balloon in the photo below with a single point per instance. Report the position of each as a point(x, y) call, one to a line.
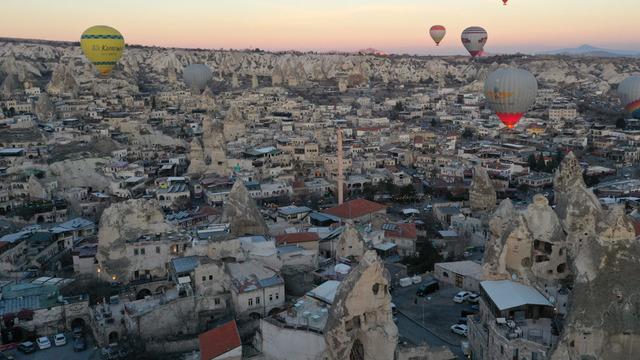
point(103, 46)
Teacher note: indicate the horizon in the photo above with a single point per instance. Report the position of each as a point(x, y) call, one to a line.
point(334, 26)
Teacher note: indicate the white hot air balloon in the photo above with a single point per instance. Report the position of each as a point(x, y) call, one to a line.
point(196, 76)
point(474, 38)
point(437, 33)
point(510, 92)
point(629, 92)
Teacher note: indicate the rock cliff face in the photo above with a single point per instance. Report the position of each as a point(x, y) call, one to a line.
point(242, 214)
point(360, 324)
point(121, 222)
point(482, 194)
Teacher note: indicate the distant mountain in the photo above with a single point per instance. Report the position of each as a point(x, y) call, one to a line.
point(588, 50)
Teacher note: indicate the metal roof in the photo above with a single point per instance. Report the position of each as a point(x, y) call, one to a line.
point(185, 264)
point(507, 294)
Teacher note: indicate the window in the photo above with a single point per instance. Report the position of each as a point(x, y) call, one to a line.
point(270, 297)
point(142, 251)
point(216, 301)
point(204, 278)
point(258, 300)
point(157, 249)
point(277, 296)
point(136, 274)
point(210, 277)
point(135, 252)
point(250, 302)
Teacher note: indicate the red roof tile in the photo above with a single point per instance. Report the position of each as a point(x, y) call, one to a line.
point(297, 238)
point(355, 209)
point(404, 231)
point(218, 341)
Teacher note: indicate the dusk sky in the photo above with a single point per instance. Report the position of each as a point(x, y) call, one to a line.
point(393, 26)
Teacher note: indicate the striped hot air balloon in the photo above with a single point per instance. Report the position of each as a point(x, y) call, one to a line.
point(474, 38)
point(437, 33)
point(629, 92)
point(510, 92)
point(103, 46)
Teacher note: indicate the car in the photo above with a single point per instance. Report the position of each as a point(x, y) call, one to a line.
point(461, 297)
point(77, 333)
point(473, 298)
point(43, 343)
point(27, 347)
point(59, 340)
point(460, 329)
point(428, 288)
point(79, 344)
point(467, 312)
point(467, 254)
point(462, 320)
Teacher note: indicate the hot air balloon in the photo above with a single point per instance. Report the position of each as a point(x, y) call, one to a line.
point(629, 92)
point(473, 39)
point(103, 46)
point(196, 76)
point(505, 2)
point(510, 92)
point(437, 33)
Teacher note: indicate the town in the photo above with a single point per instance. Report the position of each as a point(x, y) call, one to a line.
point(313, 206)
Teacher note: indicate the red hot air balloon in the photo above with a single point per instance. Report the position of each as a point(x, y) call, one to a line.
point(474, 38)
point(510, 92)
point(505, 2)
point(437, 33)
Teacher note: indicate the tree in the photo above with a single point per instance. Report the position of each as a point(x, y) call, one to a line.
point(424, 260)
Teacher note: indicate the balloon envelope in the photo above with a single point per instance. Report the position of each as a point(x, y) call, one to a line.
point(196, 76)
point(474, 38)
point(103, 46)
point(437, 33)
point(629, 92)
point(510, 92)
point(505, 2)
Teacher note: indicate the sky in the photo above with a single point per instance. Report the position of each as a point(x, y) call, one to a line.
point(393, 26)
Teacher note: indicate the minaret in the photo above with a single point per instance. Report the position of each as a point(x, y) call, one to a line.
point(340, 169)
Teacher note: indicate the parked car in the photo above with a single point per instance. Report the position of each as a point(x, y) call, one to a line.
point(79, 344)
point(27, 347)
point(460, 329)
point(59, 340)
point(462, 321)
point(473, 298)
point(43, 343)
point(428, 288)
point(461, 297)
point(77, 333)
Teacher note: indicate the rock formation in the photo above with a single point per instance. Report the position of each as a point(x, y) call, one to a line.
point(350, 244)
point(360, 324)
point(210, 150)
point(234, 126)
point(123, 222)
point(528, 246)
point(242, 214)
point(482, 194)
point(44, 108)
